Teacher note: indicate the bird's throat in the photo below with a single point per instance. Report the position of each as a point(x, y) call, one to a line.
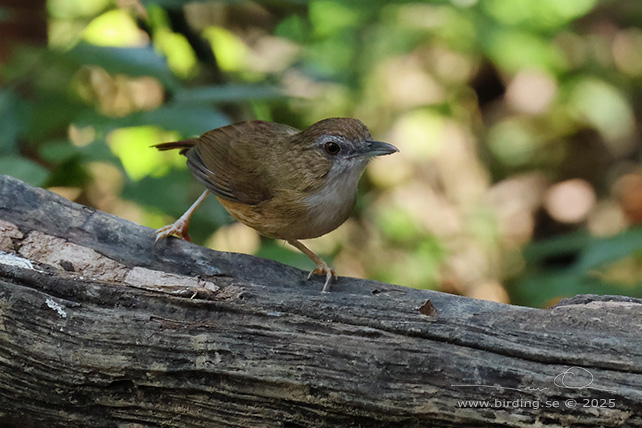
point(332, 204)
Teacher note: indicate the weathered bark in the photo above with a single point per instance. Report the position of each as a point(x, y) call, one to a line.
point(98, 328)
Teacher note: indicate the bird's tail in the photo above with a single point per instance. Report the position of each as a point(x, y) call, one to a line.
point(183, 145)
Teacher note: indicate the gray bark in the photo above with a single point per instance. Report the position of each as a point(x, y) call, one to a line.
point(99, 328)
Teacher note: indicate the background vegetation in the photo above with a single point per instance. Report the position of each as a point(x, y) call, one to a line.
point(518, 123)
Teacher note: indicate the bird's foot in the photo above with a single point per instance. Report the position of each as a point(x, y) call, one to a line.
point(323, 269)
point(179, 229)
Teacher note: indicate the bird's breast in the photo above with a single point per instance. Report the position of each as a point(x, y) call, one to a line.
point(330, 206)
point(329, 209)
point(293, 214)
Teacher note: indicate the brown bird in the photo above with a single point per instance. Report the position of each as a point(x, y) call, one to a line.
point(282, 182)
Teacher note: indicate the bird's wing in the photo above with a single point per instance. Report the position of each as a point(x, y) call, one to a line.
point(231, 160)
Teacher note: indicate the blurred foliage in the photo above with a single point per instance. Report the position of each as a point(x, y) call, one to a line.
point(518, 123)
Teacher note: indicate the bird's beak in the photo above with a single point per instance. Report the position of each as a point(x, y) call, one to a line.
point(379, 148)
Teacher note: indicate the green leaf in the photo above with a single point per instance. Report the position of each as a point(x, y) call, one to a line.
point(294, 28)
point(592, 252)
point(543, 288)
point(71, 172)
point(13, 120)
point(141, 61)
point(58, 151)
point(51, 116)
point(227, 93)
point(571, 243)
point(184, 119)
point(23, 169)
point(166, 4)
point(607, 250)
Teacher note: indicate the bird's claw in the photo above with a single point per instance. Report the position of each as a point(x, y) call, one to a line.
point(179, 229)
point(329, 273)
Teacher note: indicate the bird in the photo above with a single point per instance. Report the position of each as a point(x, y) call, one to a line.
point(282, 182)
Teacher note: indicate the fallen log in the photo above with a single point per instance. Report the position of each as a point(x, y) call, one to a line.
point(99, 328)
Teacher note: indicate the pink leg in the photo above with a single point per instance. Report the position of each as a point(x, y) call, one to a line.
point(322, 267)
point(179, 227)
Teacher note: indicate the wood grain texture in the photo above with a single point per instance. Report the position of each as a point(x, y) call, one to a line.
point(84, 341)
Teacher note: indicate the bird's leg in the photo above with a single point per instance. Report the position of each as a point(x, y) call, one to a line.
point(322, 267)
point(179, 227)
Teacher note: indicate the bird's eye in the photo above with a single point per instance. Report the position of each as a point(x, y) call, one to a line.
point(332, 148)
